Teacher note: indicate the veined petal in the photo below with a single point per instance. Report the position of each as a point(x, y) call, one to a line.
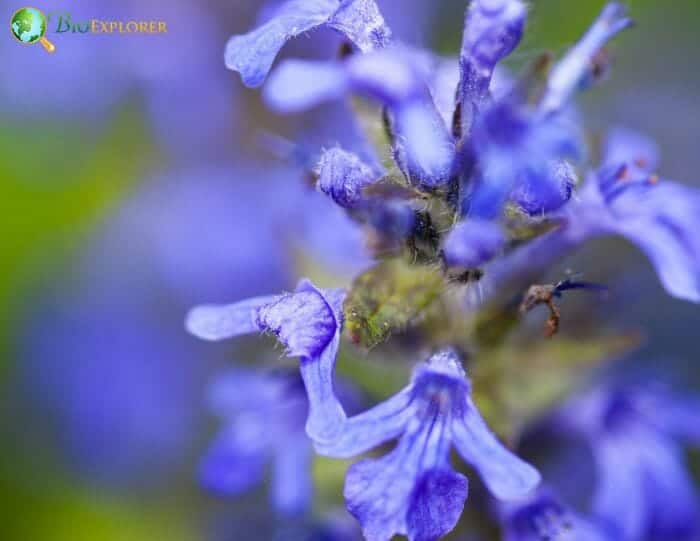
point(216, 322)
point(252, 54)
point(343, 175)
point(302, 321)
point(379, 492)
point(362, 432)
point(326, 414)
point(570, 70)
point(505, 475)
point(436, 504)
point(298, 85)
point(472, 243)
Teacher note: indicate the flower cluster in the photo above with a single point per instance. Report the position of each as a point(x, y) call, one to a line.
point(479, 184)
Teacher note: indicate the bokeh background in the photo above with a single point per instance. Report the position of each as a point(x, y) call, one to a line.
point(138, 177)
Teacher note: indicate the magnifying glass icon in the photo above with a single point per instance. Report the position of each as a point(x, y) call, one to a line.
point(28, 25)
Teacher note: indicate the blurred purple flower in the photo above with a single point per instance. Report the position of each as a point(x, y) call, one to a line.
point(252, 54)
point(542, 516)
point(308, 323)
point(120, 386)
point(423, 148)
point(643, 489)
point(413, 490)
point(264, 417)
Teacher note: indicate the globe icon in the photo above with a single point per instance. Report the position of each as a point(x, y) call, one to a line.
point(28, 25)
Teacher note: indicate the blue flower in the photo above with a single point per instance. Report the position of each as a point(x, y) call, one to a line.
point(519, 156)
point(422, 145)
point(541, 516)
point(252, 54)
point(413, 490)
point(263, 415)
point(343, 175)
point(517, 150)
point(642, 488)
point(492, 29)
point(472, 242)
point(624, 197)
point(307, 322)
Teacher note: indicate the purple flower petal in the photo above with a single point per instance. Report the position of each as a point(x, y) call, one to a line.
point(493, 28)
point(505, 475)
point(472, 243)
point(541, 194)
point(367, 430)
point(302, 321)
point(234, 463)
point(436, 504)
point(326, 414)
point(342, 176)
point(378, 492)
point(298, 85)
point(252, 54)
point(217, 322)
point(291, 476)
point(570, 70)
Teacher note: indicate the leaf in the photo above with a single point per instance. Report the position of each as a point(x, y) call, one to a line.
point(388, 298)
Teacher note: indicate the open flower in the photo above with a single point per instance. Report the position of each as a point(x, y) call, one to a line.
point(642, 488)
point(307, 322)
point(413, 490)
point(623, 197)
point(263, 418)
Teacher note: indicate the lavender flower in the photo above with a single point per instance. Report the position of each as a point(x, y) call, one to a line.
point(642, 488)
point(343, 175)
point(359, 21)
point(308, 323)
point(624, 197)
point(263, 418)
point(542, 516)
point(492, 29)
point(413, 490)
